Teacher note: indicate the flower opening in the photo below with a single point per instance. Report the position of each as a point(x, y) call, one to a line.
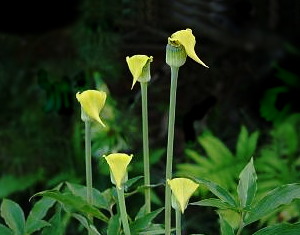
point(118, 163)
point(182, 189)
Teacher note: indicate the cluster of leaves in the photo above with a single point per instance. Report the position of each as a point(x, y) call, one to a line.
point(247, 208)
point(70, 200)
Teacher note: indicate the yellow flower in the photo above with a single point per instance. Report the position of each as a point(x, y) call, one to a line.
point(118, 163)
point(139, 66)
point(182, 190)
point(92, 102)
point(186, 39)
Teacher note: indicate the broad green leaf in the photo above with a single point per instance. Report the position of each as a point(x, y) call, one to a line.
point(280, 196)
point(242, 142)
point(34, 221)
point(86, 224)
point(144, 221)
point(74, 202)
point(214, 148)
point(5, 230)
point(153, 229)
point(280, 229)
point(13, 216)
point(132, 181)
point(141, 212)
point(10, 184)
point(213, 202)
point(247, 185)
point(98, 199)
point(114, 225)
point(57, 227)
point(225, 227)
point(218, 191)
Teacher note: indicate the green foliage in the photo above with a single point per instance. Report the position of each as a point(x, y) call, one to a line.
point(282, 229)
point(13, 216)
point(220, 165)
point(10, 184)
point(248, 207)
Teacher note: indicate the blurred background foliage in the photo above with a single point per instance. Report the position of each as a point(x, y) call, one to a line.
point(245, 105)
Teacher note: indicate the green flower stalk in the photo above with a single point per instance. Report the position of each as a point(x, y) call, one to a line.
point(139, 66)
point(92, 102)
point(180, 45)
point(182, 190)
point(118, 163)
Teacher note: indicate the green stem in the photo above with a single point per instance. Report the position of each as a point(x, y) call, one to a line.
point(241, 224)
point(146, 146)
point(88, 166)
point(178, 222)
point(123, 212)
point(174, 76)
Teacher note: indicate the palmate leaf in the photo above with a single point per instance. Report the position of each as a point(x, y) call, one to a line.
point(220, 165)
point(282, 229)
point(34, 221)
point(99, 200)
point(13, 216)
point(74, 202)
point(280, 196)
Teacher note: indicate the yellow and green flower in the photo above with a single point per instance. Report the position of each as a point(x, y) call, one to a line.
point(92, 102)
point(182, 189)
point(118, 163)
point(139, 66)
point(186, 39)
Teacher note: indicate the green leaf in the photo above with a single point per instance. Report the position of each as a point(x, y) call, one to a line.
point(246, 144)
point(213, 202)
point(74, 202)
point(144, 221)
point(280, 196)
point(141, 212)
point(280, 229)
point(13, 215)
point(114, 225)
point(218, 191)
point(225, 227)
point(247, 185)
point(5, 230)
point(56, 222)
point(132, 181)
point(153, 229)
point(98, 199)
point(214, 148)
point(10, 184)
point(86, 224)
point(34, 221)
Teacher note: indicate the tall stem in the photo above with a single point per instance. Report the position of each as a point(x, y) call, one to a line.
point(146, 146)
point(174, 76)
point(178, 222)
point(88, 165)
point(123, 212)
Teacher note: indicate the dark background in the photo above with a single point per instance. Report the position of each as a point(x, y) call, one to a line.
point(49, 50)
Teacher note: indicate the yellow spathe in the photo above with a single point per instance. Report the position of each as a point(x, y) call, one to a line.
point(182, 189)
point(137, 65)
point(118, 163)
point(188, 41)
point(92, 102)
